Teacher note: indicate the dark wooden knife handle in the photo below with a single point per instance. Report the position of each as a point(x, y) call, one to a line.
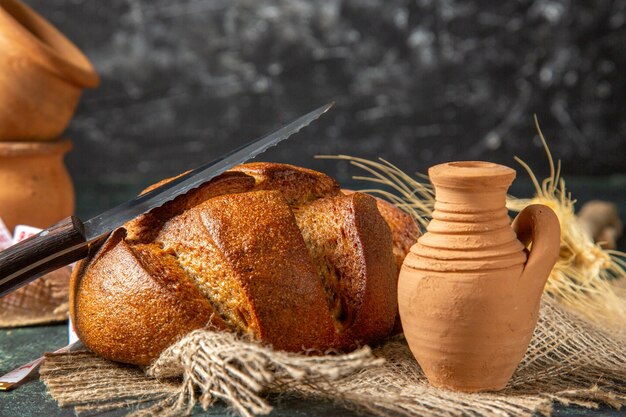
point(52, 248)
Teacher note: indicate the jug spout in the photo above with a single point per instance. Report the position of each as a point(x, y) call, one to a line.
point(539, 226)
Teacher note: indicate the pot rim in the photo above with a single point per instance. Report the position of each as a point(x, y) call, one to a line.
point(53, 50)
point(471, 173)
point(12, 149)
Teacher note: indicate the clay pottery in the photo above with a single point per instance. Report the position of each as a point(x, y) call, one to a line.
point(41, 77)
point(469, 290)
point(35, 187)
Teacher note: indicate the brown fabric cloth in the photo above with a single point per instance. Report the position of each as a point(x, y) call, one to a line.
point(569, 360)
point(40, 302)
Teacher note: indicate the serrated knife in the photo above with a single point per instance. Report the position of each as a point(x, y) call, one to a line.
point(71, 239)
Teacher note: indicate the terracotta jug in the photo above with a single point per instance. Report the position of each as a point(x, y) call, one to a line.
point(469, 290)
point(41, 75)
point(35, 187)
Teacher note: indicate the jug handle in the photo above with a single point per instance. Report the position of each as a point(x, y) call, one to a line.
point(538, 224)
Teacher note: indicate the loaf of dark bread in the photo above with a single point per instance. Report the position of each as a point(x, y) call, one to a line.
point(272, 251)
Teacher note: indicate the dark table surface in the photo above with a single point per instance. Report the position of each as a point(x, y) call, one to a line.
point(21, 345)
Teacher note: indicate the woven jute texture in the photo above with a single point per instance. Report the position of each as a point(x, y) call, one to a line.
point(569, 360)
point(42, 301)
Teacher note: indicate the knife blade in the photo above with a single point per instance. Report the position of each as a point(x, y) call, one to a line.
point(71, 239)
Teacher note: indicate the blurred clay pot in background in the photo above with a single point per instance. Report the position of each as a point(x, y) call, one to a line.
point(35, 187)
point(469, 291)
point(41, 76)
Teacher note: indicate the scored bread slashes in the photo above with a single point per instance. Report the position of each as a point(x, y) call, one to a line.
point(273, 251)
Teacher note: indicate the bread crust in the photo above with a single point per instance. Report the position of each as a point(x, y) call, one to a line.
point(260, 252)
point(235, 254)
point(128, 304)
point(404, 229)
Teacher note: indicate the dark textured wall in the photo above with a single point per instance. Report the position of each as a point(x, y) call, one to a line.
point(417, 82)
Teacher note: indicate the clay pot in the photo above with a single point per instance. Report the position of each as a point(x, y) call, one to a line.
point(469, 291)
point(35, 187)
point(41, 78)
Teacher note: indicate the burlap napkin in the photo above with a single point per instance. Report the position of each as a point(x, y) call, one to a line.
point(569, 360)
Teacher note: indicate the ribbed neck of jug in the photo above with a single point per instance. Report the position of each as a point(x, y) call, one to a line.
point(470, 226)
